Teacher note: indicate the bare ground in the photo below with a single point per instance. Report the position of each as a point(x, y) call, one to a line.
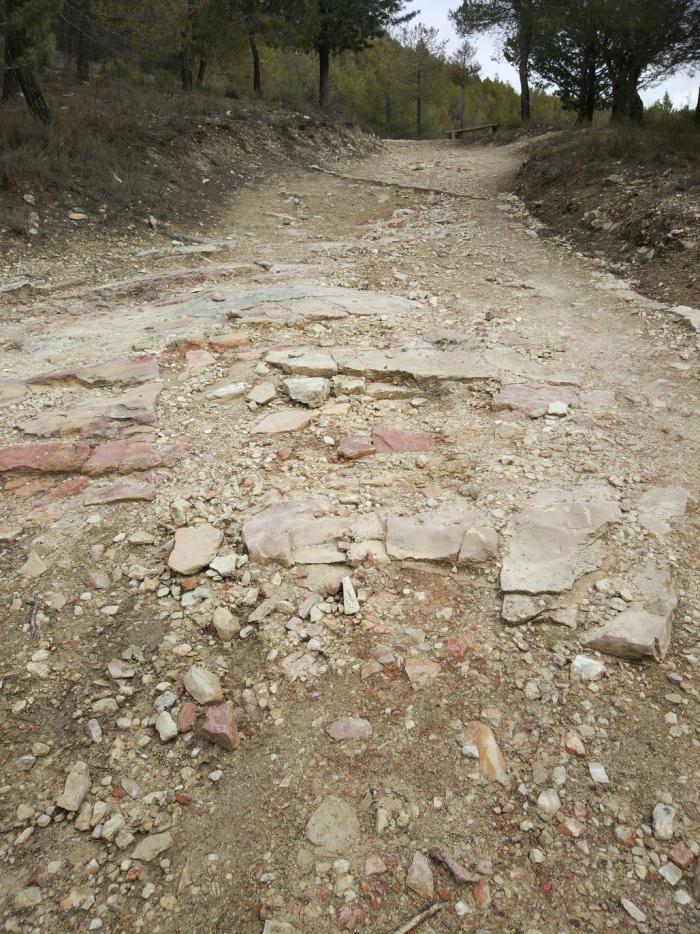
point(428, 222)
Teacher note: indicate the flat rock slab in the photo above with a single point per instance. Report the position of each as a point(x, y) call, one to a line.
point(388, 439)
point(142, 369)
point(551, 542)
point(152, 846)
point(419, 364)
point(126, 456)
point(644, 629)
point(55, 457)
point(528, 399)
point(689, 315)
point(194, 548)
point(120, 493)
point(660, 504)
point(98, 416)
point(284, 421)
point(78, 784)
point(302, 532)
point(454, 535)
point(519, 609)
point(203, 685)
point(305, 301)
point(334, 826)
point(11, 389)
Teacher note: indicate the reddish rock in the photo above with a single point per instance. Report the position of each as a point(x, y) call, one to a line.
point(186, 717)
point(98, 416)
point(458, 872)
point(354, 447)
point(390, 440)
point(349, 728)
point(421, 671)
point(625, 836)
point(350, 917)
point(456, 648)
point(120, 493)
point(55, 457)
point(573, 744)
point(125, 456)
point(224, 342)
point(120, 370)
point(570, 827)
point(20, 486)
point(482, 894)
point(70, 487)
point(220, 726)
point(681, 856)
point(527, 399)
point(197, 361)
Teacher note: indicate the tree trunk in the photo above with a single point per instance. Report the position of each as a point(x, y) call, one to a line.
point(15, 45)
point(463, 106)
point(419, 104)
point(697, 108)
point(201, 72)
point(257, 72)
point(626, 102)
point(588, 87)
point(524, 52)
point(324, 58)
point(387, 115)
point(82, 56)
point(187, 66)
point(10, 84)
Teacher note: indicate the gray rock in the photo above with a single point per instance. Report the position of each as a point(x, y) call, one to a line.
point(203, 686)
point(152, 846)
point(312, 391)
point(662, 818)
point(334, 826)
point(660, 504)
point(78, 784)
point(194, 548)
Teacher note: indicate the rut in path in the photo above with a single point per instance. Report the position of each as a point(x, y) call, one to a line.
point(351, 572)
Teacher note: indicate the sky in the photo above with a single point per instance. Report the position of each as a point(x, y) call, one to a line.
point(682, 88)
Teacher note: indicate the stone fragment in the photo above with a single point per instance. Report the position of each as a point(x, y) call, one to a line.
point(126, 456)
point(662, 818)
point(54, 457)
point(120, 493)
point(262, 393)
point(388, 439)
point(99, 416)
point(186, 717)
point(166, 727)
point(421, 671)
point(283, 421)
point(334, 826)
point(644, 629)
point(220, 728)
point(308, 390)
point(152, 846)
point(34, 566)
point(635, 913)
point(195, 547)
point(548, 802)
point(227, 389)
point(584, 668)
point(28, 897)
point(349, 728)
point(223, 342)
point(350, 604)
point(303, 363)
point(203, 685)
point(355, 447)
point(375, 866)
point(671, 873)
point(420, 877)
point(197, 361)
point(439, 536)
point(660, 504)
point(598, 773)
point(551, 542)
point(279, 927)
point(459, 873)
point(529, 399)
point(78, 784)
point(491, 759)
point(573, 744)
point(225, 624)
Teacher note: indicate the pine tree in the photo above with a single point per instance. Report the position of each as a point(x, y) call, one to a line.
point(29, 42)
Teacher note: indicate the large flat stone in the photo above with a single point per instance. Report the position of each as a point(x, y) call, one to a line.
point(98, 416)
point(551, 543)
point(306, 301)
point(440, 536)
point(660, 504)
point(127, 456)
point(527, 399)
point(55, 457)
point(194, 548)
point(142, 369)
point(283, 421)
point(644, 629)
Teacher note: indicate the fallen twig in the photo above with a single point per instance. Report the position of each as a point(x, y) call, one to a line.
point(33, 628)
point(393, 184)
point(413, 922)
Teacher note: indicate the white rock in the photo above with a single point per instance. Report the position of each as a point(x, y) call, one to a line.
point(662, 818)
point(203, 685)
point(549, 802)
point(78, 784)
point(350, 603)
point(584, 668)
point(598, 773)
point(166, 726)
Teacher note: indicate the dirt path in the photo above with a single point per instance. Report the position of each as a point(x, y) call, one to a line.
point(448, 651)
